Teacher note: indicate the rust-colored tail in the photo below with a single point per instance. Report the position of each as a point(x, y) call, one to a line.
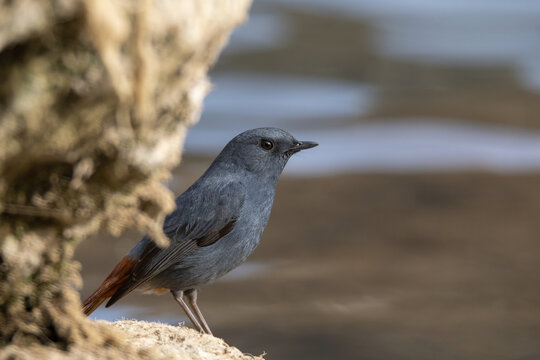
point(116, 278)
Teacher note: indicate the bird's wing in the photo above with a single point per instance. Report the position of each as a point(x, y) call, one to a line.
point(201, 219)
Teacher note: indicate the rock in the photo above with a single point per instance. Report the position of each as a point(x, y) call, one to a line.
point(177, 342)
point(95, 100)
point(144, 340)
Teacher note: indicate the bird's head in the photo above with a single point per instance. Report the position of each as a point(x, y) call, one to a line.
point(264, 151)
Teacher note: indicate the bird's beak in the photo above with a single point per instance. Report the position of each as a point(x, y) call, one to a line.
point(303, 145)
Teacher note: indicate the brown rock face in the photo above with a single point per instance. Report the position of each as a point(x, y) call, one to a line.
point(95, 100)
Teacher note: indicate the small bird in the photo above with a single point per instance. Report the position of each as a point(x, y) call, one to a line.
point(216, 225)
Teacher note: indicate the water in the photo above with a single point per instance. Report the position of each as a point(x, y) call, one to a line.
point(416, 146)
point(449, 31)
point(410, 145)
point(336, 113)
point(239, 99)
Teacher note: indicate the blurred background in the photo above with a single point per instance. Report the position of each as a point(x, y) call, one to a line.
point(412, 231)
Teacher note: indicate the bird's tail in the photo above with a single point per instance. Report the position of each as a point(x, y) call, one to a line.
point(118, 276)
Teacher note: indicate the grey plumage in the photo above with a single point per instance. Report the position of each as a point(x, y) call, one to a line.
point(219, 220)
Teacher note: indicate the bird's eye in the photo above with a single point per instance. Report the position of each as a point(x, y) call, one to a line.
point(266, 144)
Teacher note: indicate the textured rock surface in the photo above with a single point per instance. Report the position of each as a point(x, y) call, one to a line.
point(143, 340)
point(95, 100)
point(178, 342)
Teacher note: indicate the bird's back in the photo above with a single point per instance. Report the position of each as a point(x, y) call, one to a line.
point(227, 211)
point(205, 264)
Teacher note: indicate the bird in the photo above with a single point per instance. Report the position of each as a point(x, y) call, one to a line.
point(217, 223)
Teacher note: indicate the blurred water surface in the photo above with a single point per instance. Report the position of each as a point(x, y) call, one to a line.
point(479, 34)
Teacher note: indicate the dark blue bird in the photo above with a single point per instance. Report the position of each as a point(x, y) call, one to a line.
point(216, 225)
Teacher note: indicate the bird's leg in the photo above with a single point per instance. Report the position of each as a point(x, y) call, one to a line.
point(191, 295)
point(178, 296)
